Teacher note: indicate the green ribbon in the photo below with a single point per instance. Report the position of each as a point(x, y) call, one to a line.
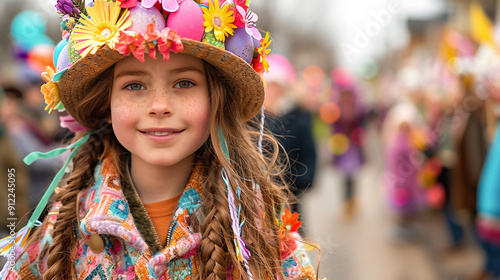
point(223, 143)
point(29, 159)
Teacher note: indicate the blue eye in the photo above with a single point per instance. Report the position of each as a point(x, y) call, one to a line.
point(184, 84)
point(135, 86)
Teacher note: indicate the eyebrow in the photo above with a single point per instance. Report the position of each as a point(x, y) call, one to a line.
point(130, 73)
point(186, 69)
point(143, 73)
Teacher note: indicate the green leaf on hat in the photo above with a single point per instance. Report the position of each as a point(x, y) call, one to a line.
point(209, 37)
point(59, 106)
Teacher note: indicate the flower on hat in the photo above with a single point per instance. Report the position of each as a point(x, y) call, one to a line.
point(102, 27)
point(250, 28)
point(260, 63)
point(218, 19)
point(151, 36)
point(166, 40)
point(128, 3)
point(169, 41)
point(67, 7)
point(239, 8)
point(131, 42)
point(50, 89)
point(167, 5)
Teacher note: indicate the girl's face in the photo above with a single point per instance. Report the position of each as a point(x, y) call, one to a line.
point(160, 111)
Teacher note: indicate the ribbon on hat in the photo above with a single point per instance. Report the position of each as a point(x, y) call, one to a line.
point(19, 239)
point(241, 251)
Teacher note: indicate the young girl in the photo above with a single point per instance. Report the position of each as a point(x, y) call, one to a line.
point(168, 179)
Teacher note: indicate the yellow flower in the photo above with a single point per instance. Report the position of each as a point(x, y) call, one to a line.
point(218, 19)
point(102, 27)
point(50, 89)
point(263, 51)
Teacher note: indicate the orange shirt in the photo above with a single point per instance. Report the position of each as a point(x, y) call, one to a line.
point(161, 214)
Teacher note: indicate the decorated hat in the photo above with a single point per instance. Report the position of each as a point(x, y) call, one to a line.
point(97, 34)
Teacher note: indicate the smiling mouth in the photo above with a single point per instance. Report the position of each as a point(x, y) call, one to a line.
point(157, 133)
point(160, 132)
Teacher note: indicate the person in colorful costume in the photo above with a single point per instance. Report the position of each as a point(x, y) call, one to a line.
point(168, 180)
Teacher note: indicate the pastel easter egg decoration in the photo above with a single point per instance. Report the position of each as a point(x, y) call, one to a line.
point(209, 38)
point(187, 21)
point(142, 16)
point(58, 49)
point(62, 63)
point(73, 54)
point(241, 44)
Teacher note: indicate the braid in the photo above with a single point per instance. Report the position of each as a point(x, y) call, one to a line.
point(214, 250)
point(60, 263)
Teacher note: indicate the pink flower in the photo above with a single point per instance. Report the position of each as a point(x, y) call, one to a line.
point(239, 8)
point(150, 36)
point(167, 5)
point(131, 42)
point(250, 28)
point(127, 3)
point(169, 41)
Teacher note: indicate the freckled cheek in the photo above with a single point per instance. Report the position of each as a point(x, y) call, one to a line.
point(199, 113)
point(124, 118)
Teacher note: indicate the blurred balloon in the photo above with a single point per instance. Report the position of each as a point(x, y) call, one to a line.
point(401, 197)
point(435, 196)
point(40, 56)
point(329, 112)
point(339, 143)
point(28, 30)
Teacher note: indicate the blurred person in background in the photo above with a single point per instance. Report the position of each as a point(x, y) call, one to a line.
point(488, 206)
point(469, 132)
point(12, 167)
point(401, 177)
point(441, 153)
point(349, 155)
point(291, 123)
point(27, 134)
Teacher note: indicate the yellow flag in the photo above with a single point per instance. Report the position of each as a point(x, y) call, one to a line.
point(481, 27)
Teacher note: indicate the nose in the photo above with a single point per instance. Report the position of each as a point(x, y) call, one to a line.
point(161, 104)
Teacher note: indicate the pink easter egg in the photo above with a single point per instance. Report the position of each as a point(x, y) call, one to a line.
point(142, 16)
point(187, 21)
point(241, 44)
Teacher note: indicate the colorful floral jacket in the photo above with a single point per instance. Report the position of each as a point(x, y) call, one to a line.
point(106, 209)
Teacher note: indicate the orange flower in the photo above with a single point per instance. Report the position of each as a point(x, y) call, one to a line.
point(50, 89)
point(263, 50)
point(291, 221)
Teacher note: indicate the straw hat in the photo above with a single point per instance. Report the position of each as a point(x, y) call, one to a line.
point(107, 32)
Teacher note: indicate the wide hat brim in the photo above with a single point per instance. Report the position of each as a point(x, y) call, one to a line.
point(247, 84)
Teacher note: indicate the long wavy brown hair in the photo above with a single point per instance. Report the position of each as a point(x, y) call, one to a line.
point(247, 168)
